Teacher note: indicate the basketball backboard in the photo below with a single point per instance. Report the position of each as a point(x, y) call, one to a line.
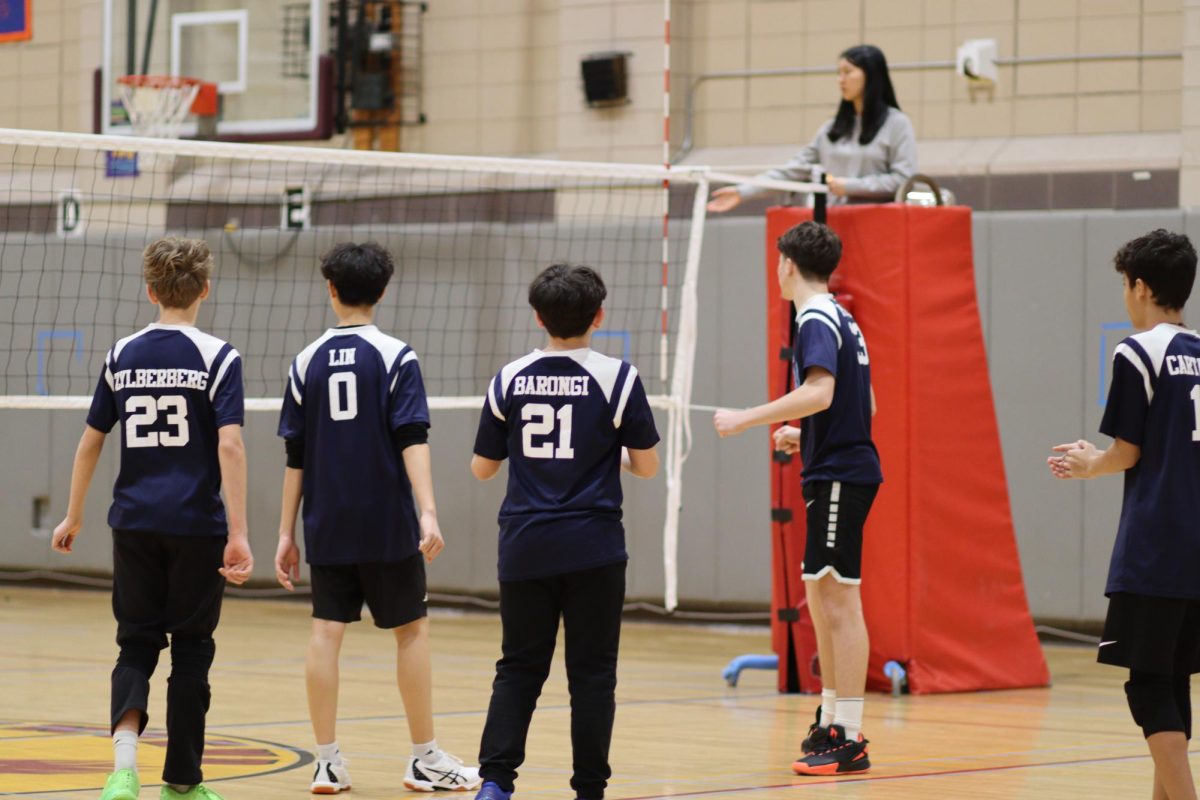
point(264, 55)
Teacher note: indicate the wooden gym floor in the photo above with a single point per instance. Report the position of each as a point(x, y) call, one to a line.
point(680, 731)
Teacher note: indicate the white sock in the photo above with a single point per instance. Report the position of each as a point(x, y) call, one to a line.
point(429, 752)
point(828, 706)
point(849, 715)
point(329, 752)
point(125, 744)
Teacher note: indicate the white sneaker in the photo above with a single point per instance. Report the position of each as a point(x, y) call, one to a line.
point(447, 774)
point(330, 777)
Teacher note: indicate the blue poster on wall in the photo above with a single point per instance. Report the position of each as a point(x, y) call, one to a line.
point(16, 20)
point(119, 163)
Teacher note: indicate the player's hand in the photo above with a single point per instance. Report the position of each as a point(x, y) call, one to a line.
point(1075, 461)
point(287, 563)
point(728, 422)
point(431, 537)
point(787, 439)
point(724, 199)
point(836, 186)
point(239, 561)
point(64, 535)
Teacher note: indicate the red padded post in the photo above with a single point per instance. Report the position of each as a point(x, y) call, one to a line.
point(942, 586)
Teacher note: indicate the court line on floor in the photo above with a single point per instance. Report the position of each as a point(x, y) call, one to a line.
point(468, 713)
point(802, 784)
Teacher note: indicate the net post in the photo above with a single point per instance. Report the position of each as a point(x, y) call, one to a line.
point(679, 430)
point(820, 204)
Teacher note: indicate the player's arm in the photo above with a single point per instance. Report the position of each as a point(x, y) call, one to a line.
point(87, 454)
point(419, 464)
point(484, 469)
point(491, 438)
point(231, 453)
point(811, 397)
point(287, 554)
point(640, 463)
point(1083, 460)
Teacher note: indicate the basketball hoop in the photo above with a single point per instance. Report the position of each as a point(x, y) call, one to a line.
point(158, 104)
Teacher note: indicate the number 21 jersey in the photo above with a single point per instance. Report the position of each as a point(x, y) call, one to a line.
point(171, 387)
point(561, 418)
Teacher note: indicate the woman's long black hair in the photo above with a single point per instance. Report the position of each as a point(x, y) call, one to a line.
point(878, 95)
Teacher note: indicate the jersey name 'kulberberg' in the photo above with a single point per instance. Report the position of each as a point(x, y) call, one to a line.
point(171, 387)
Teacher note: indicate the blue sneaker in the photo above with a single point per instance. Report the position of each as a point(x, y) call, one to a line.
point(491, 791)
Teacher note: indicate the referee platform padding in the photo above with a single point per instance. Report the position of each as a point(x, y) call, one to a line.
point(942, 587)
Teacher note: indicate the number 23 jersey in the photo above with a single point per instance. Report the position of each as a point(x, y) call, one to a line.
point(171, 387)
point(561, 418)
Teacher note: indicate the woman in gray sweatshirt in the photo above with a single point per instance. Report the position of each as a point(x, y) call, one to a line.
point(868, 149)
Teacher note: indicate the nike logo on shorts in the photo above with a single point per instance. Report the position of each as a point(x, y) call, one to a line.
point(809, 503)
point(1102, 644)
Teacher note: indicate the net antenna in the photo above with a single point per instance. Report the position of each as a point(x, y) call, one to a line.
point(157, 105)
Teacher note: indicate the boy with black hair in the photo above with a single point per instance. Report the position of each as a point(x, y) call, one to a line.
point(568, 419)
point(177, 393)
point(355, 421)
point(1153, 415)
point(841, 477)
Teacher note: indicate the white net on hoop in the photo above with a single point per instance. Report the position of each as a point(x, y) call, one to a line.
point(157, 106)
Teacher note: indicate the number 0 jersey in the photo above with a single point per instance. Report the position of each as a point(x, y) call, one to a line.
point(171, 387)
point(561, 418)
point(1154, 403)
point(347, 392)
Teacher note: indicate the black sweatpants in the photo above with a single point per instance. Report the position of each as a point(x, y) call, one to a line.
point(589, 603)
point(167, 585)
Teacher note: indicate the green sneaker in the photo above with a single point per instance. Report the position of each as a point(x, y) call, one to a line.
point(121, 785)
point(197, 792)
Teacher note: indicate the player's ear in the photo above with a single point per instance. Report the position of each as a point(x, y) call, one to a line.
point(204, 292)
point(598, 319)
point(538, 317)
point(332, 291)
point(150, 295)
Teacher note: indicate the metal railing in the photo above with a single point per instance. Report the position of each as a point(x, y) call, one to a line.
point(689, 111)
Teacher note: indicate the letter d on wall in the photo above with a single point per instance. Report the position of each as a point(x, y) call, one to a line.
point(70, 214)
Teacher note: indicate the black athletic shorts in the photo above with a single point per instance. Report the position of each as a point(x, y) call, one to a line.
point(1152, 634)
point(394, 592)
point(836, 514)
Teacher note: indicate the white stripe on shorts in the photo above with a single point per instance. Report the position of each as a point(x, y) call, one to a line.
point(835, 494)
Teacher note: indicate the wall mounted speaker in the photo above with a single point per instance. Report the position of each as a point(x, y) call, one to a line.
point(605, 79)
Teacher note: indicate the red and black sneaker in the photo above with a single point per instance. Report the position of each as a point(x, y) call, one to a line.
point(838, 757)
point(816, 738)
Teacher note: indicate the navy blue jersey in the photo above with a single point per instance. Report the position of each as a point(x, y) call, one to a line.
point(1154, 403)
point(561, 418)
point(171, 387)
point(347, 392)
point(835, 444)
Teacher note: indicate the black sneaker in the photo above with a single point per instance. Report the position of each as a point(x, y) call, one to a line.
point(817, 736)
point(839, 757)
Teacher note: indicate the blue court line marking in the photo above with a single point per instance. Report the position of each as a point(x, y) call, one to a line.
point(45, 336)
point(1107, 328)
point(625, 337)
